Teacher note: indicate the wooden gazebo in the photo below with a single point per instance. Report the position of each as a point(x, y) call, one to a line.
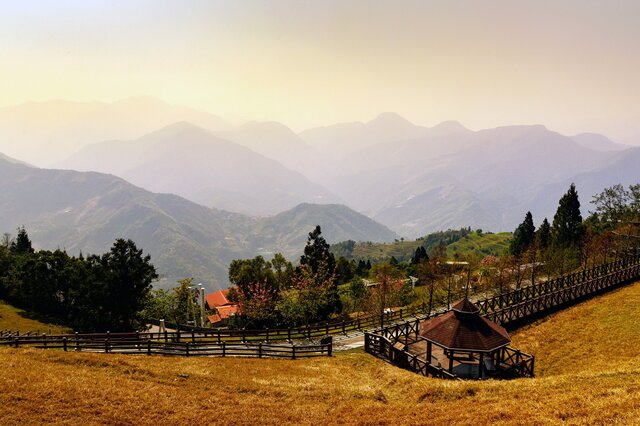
point(464, 342)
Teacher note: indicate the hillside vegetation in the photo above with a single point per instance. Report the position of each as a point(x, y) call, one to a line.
point(87, 211)
point(350, 388)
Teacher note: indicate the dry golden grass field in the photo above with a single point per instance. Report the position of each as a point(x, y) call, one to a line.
point(588, 365)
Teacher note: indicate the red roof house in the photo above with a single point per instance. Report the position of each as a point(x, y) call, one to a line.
point(223, 308)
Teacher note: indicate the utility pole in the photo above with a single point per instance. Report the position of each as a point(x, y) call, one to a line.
point(201, 303)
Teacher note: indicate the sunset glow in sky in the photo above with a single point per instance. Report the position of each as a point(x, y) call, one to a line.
point(571, 65)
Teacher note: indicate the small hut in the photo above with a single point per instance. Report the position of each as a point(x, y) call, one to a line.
point(464, 342)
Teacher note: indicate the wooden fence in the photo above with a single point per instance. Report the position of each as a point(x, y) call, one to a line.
point(137, 343)
point(219, 335)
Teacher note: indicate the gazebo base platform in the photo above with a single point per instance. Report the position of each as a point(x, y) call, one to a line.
point(512, 363)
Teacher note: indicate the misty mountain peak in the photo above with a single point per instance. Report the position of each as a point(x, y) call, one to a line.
point(391, 119)
point(450, 127)
point(180, 128)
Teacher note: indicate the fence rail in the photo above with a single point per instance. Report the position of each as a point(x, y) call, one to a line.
point(310, 332)
point(130, 344)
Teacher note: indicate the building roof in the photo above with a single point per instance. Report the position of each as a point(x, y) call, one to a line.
point(463, 328)
point(224, 307)
point(223, 312)
point(218, 298)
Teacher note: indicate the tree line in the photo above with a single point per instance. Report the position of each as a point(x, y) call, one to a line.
point(96, 293)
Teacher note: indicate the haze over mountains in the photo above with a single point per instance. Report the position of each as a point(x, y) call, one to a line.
point(87, 211)
point(413, 179)
point(189, 161)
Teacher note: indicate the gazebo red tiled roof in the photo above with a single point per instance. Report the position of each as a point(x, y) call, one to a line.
point(463, 328)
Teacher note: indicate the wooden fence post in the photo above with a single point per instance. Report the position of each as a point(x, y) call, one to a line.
point(149, 347)
point(187, 349)
point(260, 350)
point(293, 351)
point(344, 331)
point(224, 349)
point(106, 345)
point(64, 343)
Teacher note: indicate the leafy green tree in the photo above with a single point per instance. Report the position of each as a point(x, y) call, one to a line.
point(244, 273)
point(567, 229)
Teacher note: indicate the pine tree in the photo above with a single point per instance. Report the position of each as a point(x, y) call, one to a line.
point(22, 243)
point(544, 234)
point(523, 236)
point(321, 262)
point(567, 229)
point(317, 251)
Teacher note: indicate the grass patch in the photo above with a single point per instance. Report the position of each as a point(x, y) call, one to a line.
point(12, 318)
point(599, 334)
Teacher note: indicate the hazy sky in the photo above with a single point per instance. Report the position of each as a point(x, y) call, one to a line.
point(572, 65)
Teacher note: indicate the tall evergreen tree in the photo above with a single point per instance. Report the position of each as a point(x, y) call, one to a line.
point(127, 275)
point(317, 251)
point(567, 229)
point(523, 236)
point(22, 243)
point(544, 234)
point(319, 259)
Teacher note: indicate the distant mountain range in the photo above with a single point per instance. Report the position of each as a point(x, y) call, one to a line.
point(87, 211)
point(413, 179)
point(192, 162)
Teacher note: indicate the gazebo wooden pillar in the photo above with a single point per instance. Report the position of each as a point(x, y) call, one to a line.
point(463, 330)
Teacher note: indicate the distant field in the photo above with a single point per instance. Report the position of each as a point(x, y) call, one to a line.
point(586, 357)
point(473, 245)
point(480, 245)
point(13, 319)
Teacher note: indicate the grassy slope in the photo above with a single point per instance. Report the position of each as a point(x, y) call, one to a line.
point(480, 245)
point(351, 388)
point(12, 318)
point(600, 334)
point(473, 245)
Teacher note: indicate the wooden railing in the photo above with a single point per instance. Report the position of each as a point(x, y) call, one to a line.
point(528, 302)
point(219, 335)
point(140, 344)
point(385, 348)
point(511, 307)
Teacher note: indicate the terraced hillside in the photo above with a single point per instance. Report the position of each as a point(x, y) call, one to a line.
point(588, 373)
